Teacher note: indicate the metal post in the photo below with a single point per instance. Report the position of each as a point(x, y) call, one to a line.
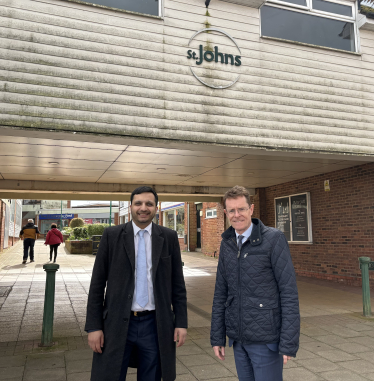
point(61, 217)
point(49, 304)
point(110, 214)
point(364, 265)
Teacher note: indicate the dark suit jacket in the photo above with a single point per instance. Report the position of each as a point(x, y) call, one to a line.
point(112, 290)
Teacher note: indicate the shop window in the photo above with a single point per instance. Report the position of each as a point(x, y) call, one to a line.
point(174, 219)
point(149, 7)
point(293, 217)
point(316, 22)
point(211, 213)
point(180, 222)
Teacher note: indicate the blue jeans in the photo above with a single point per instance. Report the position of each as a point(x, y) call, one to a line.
point(28, 243)
point(257, 362)
point(142, 334)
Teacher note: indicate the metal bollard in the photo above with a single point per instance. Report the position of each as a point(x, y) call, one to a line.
point(364, 266)
point(49, 304)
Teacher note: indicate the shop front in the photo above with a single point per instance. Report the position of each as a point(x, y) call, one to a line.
point(46, 220)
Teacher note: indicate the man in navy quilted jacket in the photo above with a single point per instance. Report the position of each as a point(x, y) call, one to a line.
point(255, 300)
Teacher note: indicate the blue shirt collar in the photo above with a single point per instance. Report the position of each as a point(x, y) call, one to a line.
point(246, 234)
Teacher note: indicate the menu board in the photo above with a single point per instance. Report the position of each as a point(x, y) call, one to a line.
point(282, 211)
point(299, 214)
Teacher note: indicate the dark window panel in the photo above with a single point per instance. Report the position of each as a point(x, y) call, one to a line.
point(309, 29)
point(327, 6)
point(149, 7)
point(297, 2)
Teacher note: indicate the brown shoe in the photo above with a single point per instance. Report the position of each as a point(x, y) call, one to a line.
point(23, 262)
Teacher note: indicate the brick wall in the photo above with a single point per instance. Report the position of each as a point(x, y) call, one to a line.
point(211, 229)
point(342, 223)
point(182, 245)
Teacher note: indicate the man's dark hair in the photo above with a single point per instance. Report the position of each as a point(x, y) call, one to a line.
point(144, 189)
point(235, 192)
point(54, 226)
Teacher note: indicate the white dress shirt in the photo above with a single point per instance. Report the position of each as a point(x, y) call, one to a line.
point(148, 249)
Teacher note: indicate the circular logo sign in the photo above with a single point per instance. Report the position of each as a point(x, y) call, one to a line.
point(214, 54)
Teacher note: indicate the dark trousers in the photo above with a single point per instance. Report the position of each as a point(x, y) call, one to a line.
point(53, 248)
point(142, 334)
point(28, 243)
point(256, 362)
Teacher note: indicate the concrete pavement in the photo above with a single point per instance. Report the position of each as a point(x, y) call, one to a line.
point(337, 344)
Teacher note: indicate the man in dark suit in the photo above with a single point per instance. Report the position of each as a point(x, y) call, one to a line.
point(137, 306)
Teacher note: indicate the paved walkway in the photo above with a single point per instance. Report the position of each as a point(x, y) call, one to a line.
point(337, 344)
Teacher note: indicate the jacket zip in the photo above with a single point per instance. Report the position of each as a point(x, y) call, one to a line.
point(239, 287)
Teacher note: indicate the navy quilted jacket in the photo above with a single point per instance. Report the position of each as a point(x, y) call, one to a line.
point(255, 298)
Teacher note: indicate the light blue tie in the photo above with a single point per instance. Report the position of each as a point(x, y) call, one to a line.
point(141, 273)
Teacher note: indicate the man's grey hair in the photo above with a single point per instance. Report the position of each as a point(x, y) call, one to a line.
point(30, 220)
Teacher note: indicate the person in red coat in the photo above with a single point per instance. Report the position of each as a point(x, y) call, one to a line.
point(54, 239)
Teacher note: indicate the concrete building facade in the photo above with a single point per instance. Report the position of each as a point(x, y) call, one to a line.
point(100, 97)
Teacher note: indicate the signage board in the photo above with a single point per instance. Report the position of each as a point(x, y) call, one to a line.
point(299, 216)
point(225, 62)
point(66, 216)
point(282, 216)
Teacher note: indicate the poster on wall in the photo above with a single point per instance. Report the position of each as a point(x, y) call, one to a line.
point(299, 216)
point(15, 220)
point(282, 216)
point(293, 217)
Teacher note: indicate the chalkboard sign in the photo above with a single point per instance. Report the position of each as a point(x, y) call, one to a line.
point(282, 213)
point(299, 217)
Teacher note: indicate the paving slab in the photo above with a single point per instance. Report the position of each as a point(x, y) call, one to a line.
point(333, 332)
point(342, 375)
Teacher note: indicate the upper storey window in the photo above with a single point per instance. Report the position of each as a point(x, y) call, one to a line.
point(317, 22)
point(149, 7)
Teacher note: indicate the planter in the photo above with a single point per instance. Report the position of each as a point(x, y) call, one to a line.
point(65, 236)
point(79, 247)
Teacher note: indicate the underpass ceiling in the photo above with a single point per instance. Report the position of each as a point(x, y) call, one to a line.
point(23, 158)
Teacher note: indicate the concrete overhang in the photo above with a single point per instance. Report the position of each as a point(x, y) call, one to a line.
point(54, 190)
point(365, 23)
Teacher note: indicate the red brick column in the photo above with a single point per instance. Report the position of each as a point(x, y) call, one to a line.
point(259, 201)
point(211, 229)
point(193, 225)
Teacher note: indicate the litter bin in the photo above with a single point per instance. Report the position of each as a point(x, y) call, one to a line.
point(95, 243)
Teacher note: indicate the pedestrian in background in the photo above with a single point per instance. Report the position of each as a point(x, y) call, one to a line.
point(29, 234)
point(54, 239)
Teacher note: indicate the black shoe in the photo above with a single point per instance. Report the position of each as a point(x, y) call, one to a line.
point(24, 261)
point(32, 260)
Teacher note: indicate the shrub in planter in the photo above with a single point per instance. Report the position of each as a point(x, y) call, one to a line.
point(76, 222)
point(79, 234)
point(96, 229)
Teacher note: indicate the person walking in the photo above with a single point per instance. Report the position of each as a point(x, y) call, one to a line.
point(255, 299)
point(137, 304)
point(29, 234)
point(54, 239)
